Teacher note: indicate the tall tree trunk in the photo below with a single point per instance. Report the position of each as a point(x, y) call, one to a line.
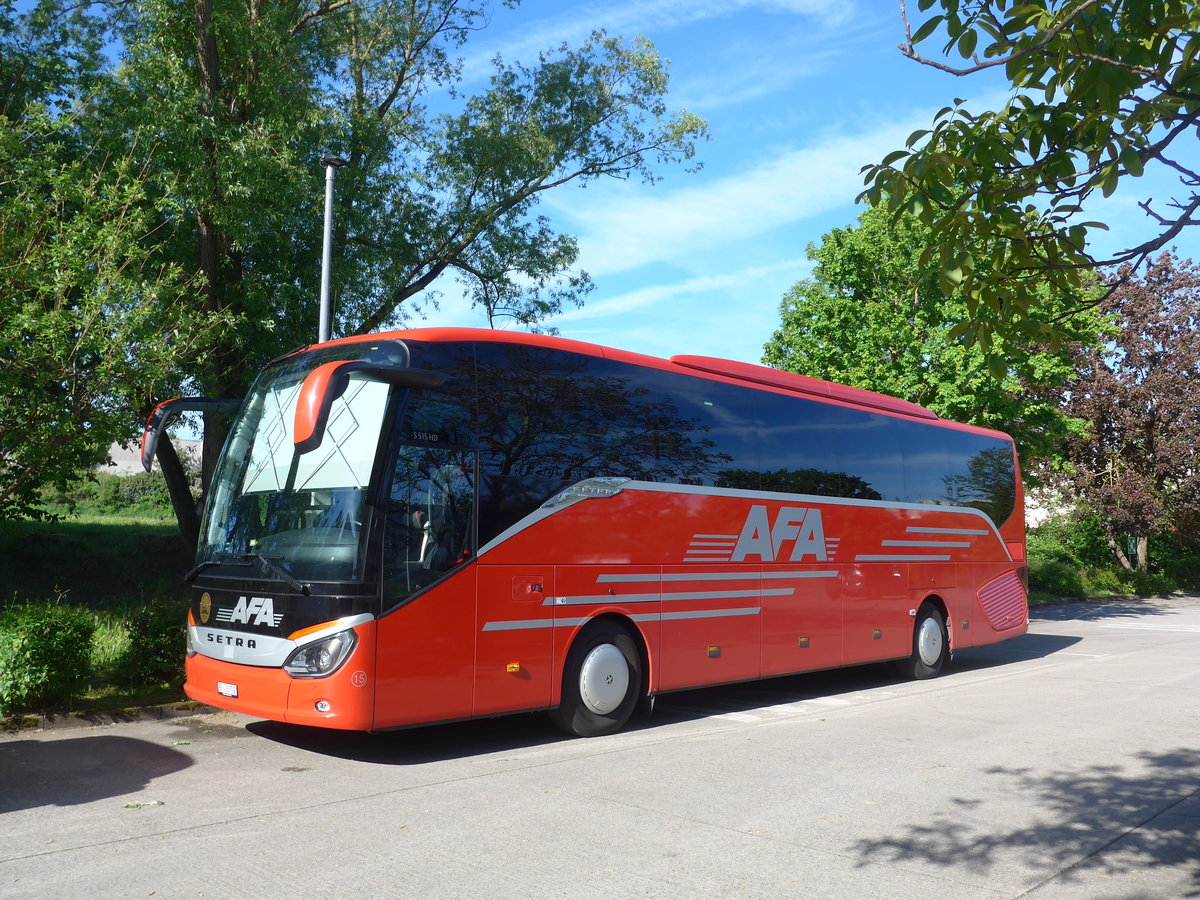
point(1143, 553)
point(1118, 551)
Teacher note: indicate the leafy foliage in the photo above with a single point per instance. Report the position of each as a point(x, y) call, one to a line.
point(45, 654)
point(244, 97)
point(155, 650)
point(873, 316)
point(1100, 93)
point(158, 213)
point(87, 318)
point(1138, 466)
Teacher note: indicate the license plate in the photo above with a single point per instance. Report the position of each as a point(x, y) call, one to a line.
point(226, 690)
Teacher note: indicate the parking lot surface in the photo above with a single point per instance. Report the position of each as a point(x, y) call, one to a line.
point(1062, 764)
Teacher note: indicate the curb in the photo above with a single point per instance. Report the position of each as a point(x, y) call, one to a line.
point(93, 718)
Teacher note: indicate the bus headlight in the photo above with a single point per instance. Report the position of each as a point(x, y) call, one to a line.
point(321, 658)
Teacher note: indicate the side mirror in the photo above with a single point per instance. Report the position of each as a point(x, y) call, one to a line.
point(167, 412)
point(327, 382)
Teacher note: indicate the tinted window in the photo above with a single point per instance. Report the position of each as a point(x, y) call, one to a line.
point(797, 449)
point(445, 414)
point(982, 474)
point(428, 526)
point(707, 431)
point(545, 419)
point(926, 463)
point(869, 453)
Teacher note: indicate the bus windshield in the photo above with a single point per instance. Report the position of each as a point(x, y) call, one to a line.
point(302, 511)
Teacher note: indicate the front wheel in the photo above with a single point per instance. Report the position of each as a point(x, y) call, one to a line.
point(931, 647)
point(601, 681)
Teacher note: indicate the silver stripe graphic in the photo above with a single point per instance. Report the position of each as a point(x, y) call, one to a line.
point(918, 529)
point(710, 613)
point(914, 557)
point(732, 538)
point(926, 543)
point(697, 614)
point(666, 598)
point(526, 624)
point(709, 576)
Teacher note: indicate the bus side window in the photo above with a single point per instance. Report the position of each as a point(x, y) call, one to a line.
point(429, 515)
point(869, 453)
point(797, 452)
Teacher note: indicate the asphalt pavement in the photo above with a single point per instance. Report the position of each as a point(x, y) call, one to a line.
point(1062, 764)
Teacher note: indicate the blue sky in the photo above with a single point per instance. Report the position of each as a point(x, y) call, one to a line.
point(799, 95)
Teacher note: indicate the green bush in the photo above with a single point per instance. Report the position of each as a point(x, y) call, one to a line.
point(1184, 572)
point(142, 494)
point(1151, 583)
point(1075, 540)
point(157, 642)
point(1107, 581)
point(45, 654)
point(1178, 559)
point(1055, 577)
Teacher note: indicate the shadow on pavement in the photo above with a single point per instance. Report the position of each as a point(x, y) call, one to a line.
point(516, 732)
point(76, 770)
point(1101, 608)
point(1103, 820)
point(423, 744)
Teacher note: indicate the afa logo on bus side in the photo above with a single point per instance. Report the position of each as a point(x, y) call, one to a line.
point(799, 525)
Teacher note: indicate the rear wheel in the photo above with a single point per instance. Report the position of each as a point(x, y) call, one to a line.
point(930, 644)
point(601, 682)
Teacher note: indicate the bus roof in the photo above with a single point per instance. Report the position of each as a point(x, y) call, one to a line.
point(722, 368)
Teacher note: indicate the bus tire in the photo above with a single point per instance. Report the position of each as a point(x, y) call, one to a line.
point(601, 682)
point(930, 644)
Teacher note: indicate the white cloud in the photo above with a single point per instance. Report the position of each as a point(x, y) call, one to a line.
point(625, 226)
point(649, 17)
point(658, 294)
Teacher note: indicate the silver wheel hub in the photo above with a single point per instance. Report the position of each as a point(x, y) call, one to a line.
point(930, 642)
point(603, 679)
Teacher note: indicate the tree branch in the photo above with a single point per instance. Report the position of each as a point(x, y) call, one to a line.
point(909, 50)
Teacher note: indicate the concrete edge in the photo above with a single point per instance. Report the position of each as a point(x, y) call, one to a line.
point(93, 718)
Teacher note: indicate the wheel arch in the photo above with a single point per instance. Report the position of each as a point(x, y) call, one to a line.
point(621, 620)
point(939, 603)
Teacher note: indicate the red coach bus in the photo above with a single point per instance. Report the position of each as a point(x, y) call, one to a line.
point(440, 524)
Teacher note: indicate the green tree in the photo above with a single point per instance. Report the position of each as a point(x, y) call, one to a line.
point(874, 316)
point(1102, 90)
point(1138, 465)
point(245, 96)
point(88, 315)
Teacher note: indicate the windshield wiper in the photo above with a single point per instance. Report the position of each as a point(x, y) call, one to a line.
point(191, 576)
point(266, 564)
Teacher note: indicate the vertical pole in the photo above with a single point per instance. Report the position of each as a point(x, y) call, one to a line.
point(332, 164)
